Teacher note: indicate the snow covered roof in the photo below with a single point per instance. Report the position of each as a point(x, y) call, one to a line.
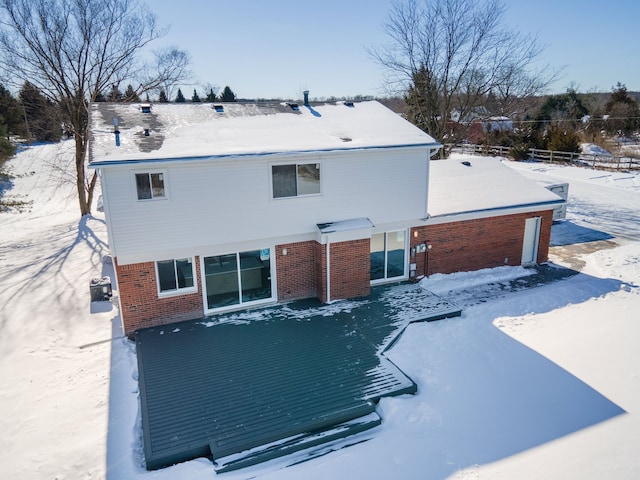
point(180, 131)
point(345, 225)
point(469, 184)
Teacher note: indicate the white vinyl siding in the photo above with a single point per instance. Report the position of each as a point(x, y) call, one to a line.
point(230, 202)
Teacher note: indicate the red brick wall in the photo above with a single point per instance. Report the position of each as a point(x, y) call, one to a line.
point(296, 271)
point(475, 244)
point(141, 306)
point(302, 273)
point(349, 268)
point(321, 271)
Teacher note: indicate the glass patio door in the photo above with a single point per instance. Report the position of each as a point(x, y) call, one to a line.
point(237, 278)
point(388, 255)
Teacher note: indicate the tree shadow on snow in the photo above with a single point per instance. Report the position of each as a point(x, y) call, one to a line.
point(43, 275)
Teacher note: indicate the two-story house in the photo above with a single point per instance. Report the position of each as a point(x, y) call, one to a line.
point(211, 208)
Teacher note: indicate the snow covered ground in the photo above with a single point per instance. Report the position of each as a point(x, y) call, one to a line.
point(534, 384)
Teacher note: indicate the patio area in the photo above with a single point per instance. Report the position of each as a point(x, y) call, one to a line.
point(247, 387)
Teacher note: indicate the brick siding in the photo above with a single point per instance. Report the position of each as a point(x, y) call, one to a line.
point(302, 272)
point(321, 271)
point(474, 244)
point(141, 306)
point(350, 269)
point(296, 271)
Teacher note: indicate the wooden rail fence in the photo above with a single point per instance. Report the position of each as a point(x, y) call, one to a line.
point(604, 162)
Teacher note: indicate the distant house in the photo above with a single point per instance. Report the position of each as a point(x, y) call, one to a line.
point(467, 117)
point(475, 124)
point(212, 208)
point(497, 124)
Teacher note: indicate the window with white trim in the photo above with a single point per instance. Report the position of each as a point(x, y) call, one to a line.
point(175, 275)
point(150, 185)
point(295, 180)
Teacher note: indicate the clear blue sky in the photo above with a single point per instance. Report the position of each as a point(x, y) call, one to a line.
point(278, 48)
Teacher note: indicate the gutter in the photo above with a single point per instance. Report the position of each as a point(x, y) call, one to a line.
point(550, 203)
point(137, 161)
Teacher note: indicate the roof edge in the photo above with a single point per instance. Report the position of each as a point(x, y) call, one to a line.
point(550, 203)
point(108, 163)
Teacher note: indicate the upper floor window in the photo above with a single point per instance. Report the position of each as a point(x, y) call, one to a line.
point(175, 275)
point(295, 180)
point(150, 186)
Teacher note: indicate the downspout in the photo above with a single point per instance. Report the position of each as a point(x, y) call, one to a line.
point(426, 189)
point(328, 272)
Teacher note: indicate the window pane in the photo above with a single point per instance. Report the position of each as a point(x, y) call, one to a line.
point(255, 275)
point(221, 280)
point(157, 185)
point(309, 179)
point(284, 181)
point(143, 185)
point(377, 256)
point(184, 271)
point(166, 275)
point(395, 254)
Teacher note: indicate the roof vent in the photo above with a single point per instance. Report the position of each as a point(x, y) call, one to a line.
point(145, 108)
point(466, 163)
point(219, 108)
point(116, 132)
point(349, 104)
point(293, 106)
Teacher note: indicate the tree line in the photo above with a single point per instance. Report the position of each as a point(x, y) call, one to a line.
point(32, 117)
point(456, 63)
point(562, 122)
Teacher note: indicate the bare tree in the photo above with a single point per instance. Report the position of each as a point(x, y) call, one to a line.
point(450, 54)
point(72, 50)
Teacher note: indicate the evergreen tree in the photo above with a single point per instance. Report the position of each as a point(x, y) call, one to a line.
point(162, 97)
point(211, 97)
point(6, 149)
point(100, 97)
point(13, 113)
point(422, 102)
point(180, 97)
point(195, 98)
point(227, 95)
point(563, 139)
point(115, 95)
point(130, 95)
point(568, 106)
point(623, 111)
point(42, 116)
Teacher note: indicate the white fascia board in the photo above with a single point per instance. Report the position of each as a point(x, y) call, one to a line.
point(498, 212)
point(211, 250)
point(343, 236)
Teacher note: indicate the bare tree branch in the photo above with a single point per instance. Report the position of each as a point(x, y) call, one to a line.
point(72, 50)
point(446, 55)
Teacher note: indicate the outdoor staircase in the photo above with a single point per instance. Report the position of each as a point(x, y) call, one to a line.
point(325, 436)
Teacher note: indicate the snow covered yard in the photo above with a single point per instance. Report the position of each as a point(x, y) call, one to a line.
point(534, 384)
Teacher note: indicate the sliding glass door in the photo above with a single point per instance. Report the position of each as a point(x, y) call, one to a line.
point(237, 278)
point(388, 255)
